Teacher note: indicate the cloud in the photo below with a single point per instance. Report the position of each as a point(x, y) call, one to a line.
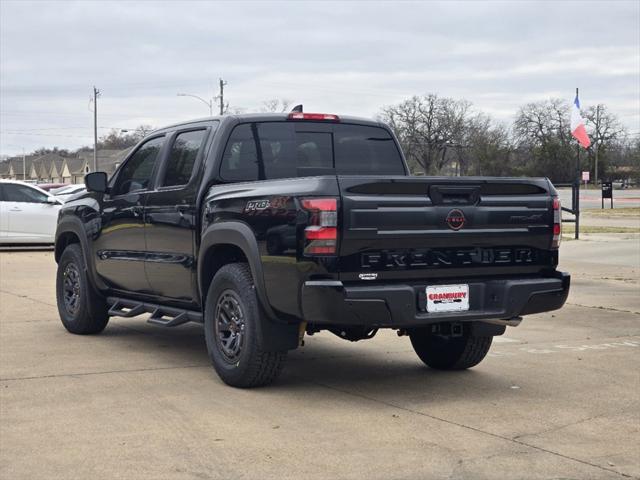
point(342, 57)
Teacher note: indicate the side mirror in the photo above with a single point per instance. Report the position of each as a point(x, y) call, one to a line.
point(96, 182)
point(53, 201)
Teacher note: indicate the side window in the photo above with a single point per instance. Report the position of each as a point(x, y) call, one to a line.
point(14, 192)
point(240, 159)
point(136, 173)
point(182, 157)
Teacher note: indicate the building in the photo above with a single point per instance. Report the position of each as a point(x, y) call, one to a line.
point(54, 168)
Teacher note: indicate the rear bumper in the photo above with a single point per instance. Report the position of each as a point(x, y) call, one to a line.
point(331, 302)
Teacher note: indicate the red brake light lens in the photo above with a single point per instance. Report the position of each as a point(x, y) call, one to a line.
point(557, 223)
point(323, 117)
point(324, 204)
point(321, 236)
point(321, 233)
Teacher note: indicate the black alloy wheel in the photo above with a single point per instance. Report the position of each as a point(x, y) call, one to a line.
point(71, 288)
point(230, 325)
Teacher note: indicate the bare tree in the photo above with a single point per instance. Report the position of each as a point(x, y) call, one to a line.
point(427, 127)
point(543, 122)
point(485, 148)
point(605, 131)
point(542, 133)
point(276, 105)
point(142, 131)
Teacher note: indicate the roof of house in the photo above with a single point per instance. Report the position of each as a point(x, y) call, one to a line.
point(16, 163)
point(108, 161)
point(76, 165)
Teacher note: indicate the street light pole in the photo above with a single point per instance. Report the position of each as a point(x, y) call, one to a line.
point(24, 166)
point(207, 103)
point(96, 94)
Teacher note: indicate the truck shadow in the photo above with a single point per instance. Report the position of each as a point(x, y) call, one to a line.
point(348, 368)
point(387, 376)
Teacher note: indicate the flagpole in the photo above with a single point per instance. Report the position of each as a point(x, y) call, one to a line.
point(576, 206)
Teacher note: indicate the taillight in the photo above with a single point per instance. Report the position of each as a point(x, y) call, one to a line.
point(557, 223)
point(327, 117)
point(321, 236)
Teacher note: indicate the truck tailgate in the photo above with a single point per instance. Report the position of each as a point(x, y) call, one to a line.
point(438, 227)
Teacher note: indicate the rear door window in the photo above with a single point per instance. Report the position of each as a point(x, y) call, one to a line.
point(240, 159)
point(271, 150)
point(182, 157)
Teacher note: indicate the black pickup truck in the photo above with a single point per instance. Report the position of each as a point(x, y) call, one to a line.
point(268, 227)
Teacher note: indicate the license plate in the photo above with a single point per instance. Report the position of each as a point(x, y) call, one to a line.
point(448, 298)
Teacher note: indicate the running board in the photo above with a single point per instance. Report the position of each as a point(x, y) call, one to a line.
point(160, 314)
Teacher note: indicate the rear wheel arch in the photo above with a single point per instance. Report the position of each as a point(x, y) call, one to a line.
point(213, 259)
point(230, 242)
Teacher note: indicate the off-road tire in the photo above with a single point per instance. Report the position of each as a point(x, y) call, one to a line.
point(254, 366)
point(450, 353)
point(89, 314)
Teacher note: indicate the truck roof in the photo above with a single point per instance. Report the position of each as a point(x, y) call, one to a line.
point(267, 117)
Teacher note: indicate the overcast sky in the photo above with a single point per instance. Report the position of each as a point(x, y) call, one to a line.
point(336, 57)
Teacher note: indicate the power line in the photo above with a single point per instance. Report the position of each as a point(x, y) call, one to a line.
point(59, 128)
point(8, 132)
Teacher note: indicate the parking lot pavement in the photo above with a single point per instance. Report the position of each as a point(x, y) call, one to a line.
point(558, 396)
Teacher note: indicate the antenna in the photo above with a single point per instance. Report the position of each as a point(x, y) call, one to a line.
point(297, 109)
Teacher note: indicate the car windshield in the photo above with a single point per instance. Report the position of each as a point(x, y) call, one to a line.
point(69, 189)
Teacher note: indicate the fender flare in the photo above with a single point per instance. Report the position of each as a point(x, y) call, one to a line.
point(74, 225)
point(239, 235)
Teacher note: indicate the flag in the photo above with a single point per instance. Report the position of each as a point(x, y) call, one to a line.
point(577, 125)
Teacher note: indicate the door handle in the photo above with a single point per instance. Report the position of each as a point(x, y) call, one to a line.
point(137, 211)
point(182, 208)
point(15, 209)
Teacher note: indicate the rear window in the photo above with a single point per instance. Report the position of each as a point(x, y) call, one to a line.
point(270, 150)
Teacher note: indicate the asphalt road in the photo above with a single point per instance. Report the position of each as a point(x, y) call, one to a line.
point(558, 396)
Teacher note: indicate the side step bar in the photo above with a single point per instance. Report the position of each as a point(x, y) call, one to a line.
point(160, 315)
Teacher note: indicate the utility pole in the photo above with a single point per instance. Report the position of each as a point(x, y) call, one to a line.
point(209, 103)
point(597, 145)
point(221, 96)
point(24, 166)
point(96, 94)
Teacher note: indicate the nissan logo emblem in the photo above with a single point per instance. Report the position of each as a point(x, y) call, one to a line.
point(455, 219)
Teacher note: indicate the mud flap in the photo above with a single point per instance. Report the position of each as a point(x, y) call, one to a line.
point(278, 337)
